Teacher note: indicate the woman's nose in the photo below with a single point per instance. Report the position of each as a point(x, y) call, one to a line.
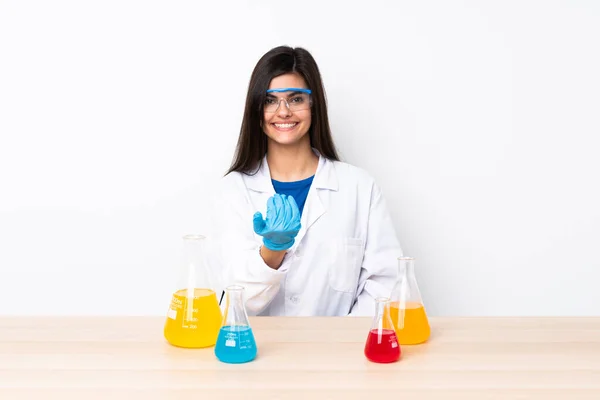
point(284, 109)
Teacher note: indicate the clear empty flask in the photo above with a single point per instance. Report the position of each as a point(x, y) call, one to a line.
point(194, 316)
point(235, 343)
point(382, 344)
point(406, 309)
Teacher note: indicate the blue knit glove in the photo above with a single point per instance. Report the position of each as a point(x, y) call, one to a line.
point(282, 224)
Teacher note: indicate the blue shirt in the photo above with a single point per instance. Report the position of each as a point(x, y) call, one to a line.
point(298, 190)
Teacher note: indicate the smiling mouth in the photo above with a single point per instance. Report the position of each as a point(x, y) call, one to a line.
point(286, 126)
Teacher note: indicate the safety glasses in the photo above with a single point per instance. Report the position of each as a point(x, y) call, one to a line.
point(296, 99)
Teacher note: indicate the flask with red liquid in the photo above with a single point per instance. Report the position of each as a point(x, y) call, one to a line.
point(382, 344)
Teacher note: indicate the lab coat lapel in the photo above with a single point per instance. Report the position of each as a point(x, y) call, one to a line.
point(261, 187)
point(314, 208)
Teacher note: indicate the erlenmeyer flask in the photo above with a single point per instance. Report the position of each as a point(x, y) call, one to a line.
point(235, 343)
point(194, 316)
point(382, 345)
point(406, 309)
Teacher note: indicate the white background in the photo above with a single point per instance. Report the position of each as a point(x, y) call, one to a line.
point(479, 119)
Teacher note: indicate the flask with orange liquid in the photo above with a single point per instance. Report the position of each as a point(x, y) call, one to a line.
point(406, 308)
point(194, 316)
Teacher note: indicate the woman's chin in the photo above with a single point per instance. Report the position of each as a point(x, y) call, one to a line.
point(286, 138)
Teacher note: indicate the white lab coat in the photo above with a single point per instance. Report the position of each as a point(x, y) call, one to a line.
point(344, 256)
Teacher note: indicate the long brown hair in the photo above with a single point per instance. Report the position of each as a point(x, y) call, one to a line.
point(252, 142)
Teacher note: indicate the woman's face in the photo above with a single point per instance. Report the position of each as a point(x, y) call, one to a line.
point(284, 126)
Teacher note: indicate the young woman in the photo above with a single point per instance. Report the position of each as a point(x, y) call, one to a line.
point(304, 233)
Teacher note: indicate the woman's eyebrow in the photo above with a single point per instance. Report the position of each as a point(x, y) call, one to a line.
point(288, 94)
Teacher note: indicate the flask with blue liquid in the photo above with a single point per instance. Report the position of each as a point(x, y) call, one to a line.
point(235, 343)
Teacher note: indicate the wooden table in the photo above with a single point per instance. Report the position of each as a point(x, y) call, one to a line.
point(301, 358)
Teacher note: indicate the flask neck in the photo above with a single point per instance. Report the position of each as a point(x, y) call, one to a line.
point(406, 292)
point(381, 320)
point(380, 308)
point(234, 295)
point(406, 266)
point(235, 312)
point(194, 271)
point(192, 246)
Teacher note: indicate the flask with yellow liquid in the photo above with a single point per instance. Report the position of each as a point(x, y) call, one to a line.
point(194, 316)
point(407, 310)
